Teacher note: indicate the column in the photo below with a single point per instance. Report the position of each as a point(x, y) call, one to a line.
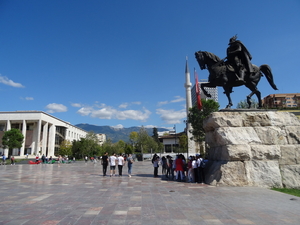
point(51, 140)
point(8, 125)
point(24, 134)
point(36, 138)
point(44, 141)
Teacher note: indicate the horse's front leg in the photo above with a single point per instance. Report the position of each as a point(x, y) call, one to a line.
point(227, 91)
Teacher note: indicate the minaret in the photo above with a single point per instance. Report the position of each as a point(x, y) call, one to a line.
point(188, 86)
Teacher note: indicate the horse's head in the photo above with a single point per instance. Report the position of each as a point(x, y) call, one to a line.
point(206, 59)
point(200, 57)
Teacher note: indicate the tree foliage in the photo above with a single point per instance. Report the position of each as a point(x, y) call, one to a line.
point(155, 135)
point(145, 143)
point(183, 143)
point(12, 139)
point(65, 148)
point(120, 147)
point(244, 105)
point(87, 146)
point(196, 118)
point(133, 138)
point(108, 147)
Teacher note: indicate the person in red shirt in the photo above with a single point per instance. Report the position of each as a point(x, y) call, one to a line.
point(179, 168)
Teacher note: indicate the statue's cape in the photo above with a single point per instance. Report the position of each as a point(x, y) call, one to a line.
point(246, 57)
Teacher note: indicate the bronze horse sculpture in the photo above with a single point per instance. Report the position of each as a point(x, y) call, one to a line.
point(223, 75)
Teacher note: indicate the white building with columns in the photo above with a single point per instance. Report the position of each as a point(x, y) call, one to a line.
point(43, 133)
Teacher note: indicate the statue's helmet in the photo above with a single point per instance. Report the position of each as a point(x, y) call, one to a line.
point(233, 39)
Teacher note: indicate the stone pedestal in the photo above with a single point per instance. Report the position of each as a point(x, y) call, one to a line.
point(253, 148)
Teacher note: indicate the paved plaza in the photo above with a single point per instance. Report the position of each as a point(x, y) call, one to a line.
point(77, 193)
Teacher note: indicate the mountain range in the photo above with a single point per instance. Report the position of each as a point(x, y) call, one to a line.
point(115, 134)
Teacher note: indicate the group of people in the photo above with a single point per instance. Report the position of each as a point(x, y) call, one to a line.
point(116, 161)
point(12, 160)
point(180, 169)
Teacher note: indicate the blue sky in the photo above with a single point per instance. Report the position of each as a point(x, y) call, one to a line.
point(122, 63)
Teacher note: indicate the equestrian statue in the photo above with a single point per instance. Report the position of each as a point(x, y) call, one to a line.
point(233, 71)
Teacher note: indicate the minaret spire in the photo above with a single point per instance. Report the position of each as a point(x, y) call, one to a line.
point(186, 66)
point(188, 86)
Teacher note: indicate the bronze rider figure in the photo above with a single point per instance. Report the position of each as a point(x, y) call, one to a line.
point(239, 58)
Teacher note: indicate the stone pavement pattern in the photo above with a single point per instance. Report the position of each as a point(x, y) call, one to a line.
point(79, 194)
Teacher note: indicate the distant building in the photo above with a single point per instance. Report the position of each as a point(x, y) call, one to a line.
point(282, 101)
point(101, 139)
point(171, 142)
point(42, 132)
point(212, 91)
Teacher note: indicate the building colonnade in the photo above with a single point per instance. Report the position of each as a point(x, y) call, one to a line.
point(42, 132)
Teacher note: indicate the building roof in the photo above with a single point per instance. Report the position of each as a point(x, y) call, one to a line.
point(36, 111)
point(283, 95)
point(171, 136)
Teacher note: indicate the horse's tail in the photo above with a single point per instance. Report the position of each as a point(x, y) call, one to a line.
point(268, 73)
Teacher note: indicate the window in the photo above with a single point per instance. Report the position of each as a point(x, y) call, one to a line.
point(2, 127)
point(168, 148)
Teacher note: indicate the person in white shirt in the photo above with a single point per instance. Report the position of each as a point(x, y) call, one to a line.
point(121, 163)
point(155, 165)
point(112, 162)
point(195, 168)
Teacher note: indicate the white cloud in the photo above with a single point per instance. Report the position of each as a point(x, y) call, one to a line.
point(105, 113)
point(29, 98)
point(162, 103)
point(6, 81)
point(108, 112)
point(133, 114)
point(123, 105)
point(85, 111)
point(178, 99)
point(171, 116)
point(77, 105)
point(54, 107)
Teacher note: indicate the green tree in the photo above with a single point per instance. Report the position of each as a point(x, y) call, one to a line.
point(87, 146)
point(133, 138)
point(128, 149)
point(108, 147)
point(76, 149)
point(91, 144)
point(155, 135)
point(12, 139)
point(145, 143)
point(196, 118)
point(120, 147)
point(183, 143)
point(65, 148)
point(244, 104)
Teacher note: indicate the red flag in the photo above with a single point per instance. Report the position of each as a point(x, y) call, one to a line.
point(199, 102)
